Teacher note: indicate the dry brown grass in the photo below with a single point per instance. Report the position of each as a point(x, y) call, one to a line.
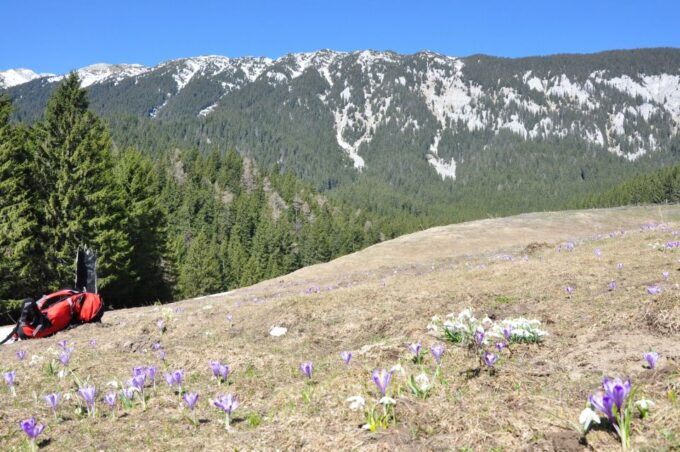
point(379, 304)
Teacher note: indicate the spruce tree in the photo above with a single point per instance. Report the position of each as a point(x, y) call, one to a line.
point(200, 273)
point(21, 265)
point(83, 203)
point(146, 225)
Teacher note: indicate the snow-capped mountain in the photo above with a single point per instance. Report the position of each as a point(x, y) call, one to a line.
point(13, 77)
point(625, 103)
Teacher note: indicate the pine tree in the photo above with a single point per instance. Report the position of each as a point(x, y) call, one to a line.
point(83, 204)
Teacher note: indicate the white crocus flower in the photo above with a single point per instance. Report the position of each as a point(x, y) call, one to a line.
point(423, 381)
point(35, 359)
point(387, 401)
point(356, 403)
point(587, 417)
point(643, 406)
point(398, 368)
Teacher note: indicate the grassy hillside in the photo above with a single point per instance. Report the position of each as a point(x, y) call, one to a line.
point(374, 303)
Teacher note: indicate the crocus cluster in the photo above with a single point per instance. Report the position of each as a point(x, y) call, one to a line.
point(220, 371)
point(175, 378)
point(614, 401)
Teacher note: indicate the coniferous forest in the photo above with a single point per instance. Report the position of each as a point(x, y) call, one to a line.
point(166, 227)
point(173, 213)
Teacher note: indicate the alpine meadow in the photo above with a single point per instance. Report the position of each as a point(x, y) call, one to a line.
point(350, 248)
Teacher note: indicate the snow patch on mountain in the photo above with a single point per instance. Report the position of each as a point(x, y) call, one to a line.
point(442, 167)
point(206, 111)
point(449, 98)
point(663, 89)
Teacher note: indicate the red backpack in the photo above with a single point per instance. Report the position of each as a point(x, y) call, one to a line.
point(55, 312)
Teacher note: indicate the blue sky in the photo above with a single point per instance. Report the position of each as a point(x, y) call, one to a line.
point(60, 35)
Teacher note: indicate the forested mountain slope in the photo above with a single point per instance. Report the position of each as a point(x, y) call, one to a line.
point(427, 135)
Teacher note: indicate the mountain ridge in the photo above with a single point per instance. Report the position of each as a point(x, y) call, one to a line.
point(431, 126)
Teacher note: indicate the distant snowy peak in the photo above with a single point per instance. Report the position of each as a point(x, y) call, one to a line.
point(13, 77)
point(103, 72)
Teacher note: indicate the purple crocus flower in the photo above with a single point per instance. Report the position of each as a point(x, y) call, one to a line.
point(507, 333)
point(31, 428)
point(381, 379)
point(219, 370)
point(161, 355)
point(227, 403)
point(651, 358)
point(156, 346)
point(137, 382)
point(21, 354)
point(64, 358)
point(161, 325)
point(415, 348)
point(346, 356)
point(665, 275)
point(139, 370)
point(151, 374)
point(478, 337)
point(617, 389)
point(654, 290)
point(619, 266)
point(306, 368)
point(110, 399)
point(490, 359)
point(223, 372)
point(603, 403)
point(10, 378)
point(93, 343)
point(62, 344)
point(191, 398)
point(88, 393)
point(175, 378)
point(597, 252)
point(500, 346)
point(611, 286)
point(229, 317)
point(437, 351)
point(569, 290)
point(52, 401)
